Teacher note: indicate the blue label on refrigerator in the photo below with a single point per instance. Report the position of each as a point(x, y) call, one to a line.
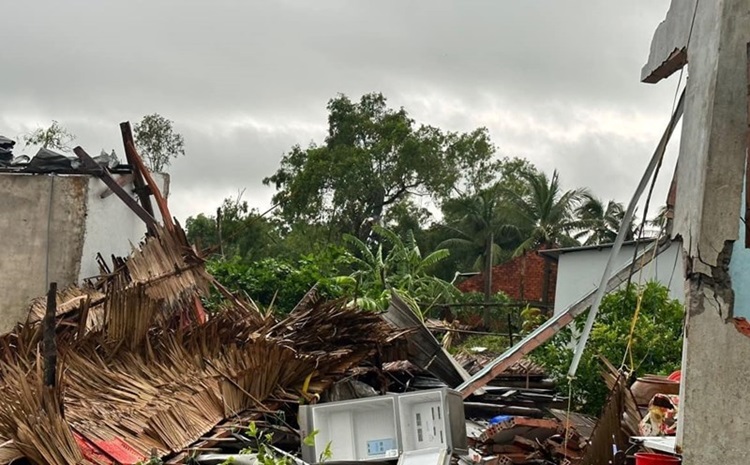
point(377, 447)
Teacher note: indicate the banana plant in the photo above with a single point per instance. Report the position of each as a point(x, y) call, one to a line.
point(394, 264)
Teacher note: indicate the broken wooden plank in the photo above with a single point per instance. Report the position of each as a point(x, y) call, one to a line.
point(106, 177)
point(141, 190)
point(552, 326)
point(161, 202)
point(50, 338)
point(122, 181)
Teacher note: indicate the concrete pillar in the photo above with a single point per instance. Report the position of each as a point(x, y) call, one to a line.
point(715, 411)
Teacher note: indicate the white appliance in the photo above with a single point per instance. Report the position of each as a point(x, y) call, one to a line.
point(357, 430)
point(432, 419)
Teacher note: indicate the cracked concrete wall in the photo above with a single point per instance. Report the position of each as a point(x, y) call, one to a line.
point(41, 224)
point(715, 411)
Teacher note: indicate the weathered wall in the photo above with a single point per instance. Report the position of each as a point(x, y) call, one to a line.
point(579, 272)
point(41, 225)
point(52, 228)
point(111, 227)
point(521, 278)
point(715, 404)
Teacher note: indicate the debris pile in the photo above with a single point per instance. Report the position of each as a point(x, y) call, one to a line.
point(140, 374)
point(129, 368)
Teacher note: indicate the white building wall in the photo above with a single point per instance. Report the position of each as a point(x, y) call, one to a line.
point(580, 271)
point(111, 226)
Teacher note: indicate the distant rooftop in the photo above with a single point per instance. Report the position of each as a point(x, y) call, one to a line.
point(557, 252)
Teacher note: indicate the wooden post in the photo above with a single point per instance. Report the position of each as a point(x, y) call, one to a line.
point(49, 342)
point(161, 202)
point(141, 189)
point(510, 329)
point(219, 232)
point(747, 157)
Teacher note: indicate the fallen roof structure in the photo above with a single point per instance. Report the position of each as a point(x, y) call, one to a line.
point(151, 377)
point(138, 371)
point(552, 326)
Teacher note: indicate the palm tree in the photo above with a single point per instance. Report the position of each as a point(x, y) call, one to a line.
point(476, 224)
point(600, 223)
point(662, 217)
point(545, 214)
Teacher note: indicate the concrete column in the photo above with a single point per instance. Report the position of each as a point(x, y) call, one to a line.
point(715, 412)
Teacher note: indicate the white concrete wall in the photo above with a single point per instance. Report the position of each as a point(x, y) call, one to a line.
point(111, 227)
point(41, 225)
point(579, 272)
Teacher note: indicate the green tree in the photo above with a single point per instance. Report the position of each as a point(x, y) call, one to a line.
point(157, 141)
point(235, 231)
point(53, 137)
point(405, 216)
point(656, 344)
point(476, 224)
point(281, 283)
point(373, 158)
point(600, 223)
point(545, 214)
point(478, 216)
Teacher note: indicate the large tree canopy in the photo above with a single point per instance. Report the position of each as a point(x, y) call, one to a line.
point(372, 158)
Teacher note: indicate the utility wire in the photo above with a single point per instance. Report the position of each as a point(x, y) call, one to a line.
point(658, 167)
point(650, 171)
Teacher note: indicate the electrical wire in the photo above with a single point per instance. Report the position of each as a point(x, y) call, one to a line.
point(658, 166)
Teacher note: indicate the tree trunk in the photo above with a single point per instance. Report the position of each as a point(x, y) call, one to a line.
point(372, 215)
point(488, 280)
point(546, 284)
point(219, 232)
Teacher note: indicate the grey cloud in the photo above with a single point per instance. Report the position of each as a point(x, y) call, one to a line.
point(207, 64)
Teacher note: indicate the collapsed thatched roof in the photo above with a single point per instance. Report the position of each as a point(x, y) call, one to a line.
point(139, 371)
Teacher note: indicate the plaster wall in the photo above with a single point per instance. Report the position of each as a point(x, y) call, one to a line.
point(580, 271)
point(52, 227)
point(715, 402)
point(111, 227)
point(41, 224)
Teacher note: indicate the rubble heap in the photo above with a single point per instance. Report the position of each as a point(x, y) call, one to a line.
point(139, 373)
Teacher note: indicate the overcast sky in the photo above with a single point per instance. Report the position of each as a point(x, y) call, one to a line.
point(556, 82)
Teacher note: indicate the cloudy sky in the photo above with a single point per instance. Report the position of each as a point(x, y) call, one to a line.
point(556, 82)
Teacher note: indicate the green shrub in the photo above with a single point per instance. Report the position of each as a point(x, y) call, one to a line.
point(656, 346)
point(278, 281)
